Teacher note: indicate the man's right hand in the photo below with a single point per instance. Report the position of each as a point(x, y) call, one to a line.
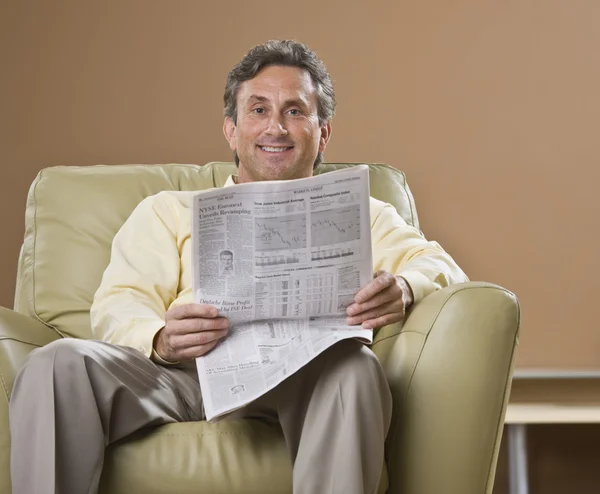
point(190, 331)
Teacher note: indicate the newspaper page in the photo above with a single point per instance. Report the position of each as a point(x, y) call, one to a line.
point(281, 260)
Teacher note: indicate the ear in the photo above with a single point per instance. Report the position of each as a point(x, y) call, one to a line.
point(229, 131)
point(325, 136)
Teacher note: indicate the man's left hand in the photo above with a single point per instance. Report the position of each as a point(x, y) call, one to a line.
point(384, 300)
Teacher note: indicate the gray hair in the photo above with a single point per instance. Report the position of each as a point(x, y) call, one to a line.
point(282, 53)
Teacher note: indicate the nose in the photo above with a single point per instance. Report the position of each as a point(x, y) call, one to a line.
point(276, 126)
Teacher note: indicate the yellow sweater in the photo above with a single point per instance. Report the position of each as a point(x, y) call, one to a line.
point(150, 269)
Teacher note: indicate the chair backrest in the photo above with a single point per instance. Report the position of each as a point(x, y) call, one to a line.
point(74, 212)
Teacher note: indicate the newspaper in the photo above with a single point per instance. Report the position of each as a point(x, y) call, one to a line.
point(281, 260)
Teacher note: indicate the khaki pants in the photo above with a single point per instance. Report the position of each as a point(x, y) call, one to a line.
point(74, 397)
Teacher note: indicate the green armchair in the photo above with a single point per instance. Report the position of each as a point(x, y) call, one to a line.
point(449, 365)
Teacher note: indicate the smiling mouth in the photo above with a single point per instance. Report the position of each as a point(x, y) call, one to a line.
point(275, 149)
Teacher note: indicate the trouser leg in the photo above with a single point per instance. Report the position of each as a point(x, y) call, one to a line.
point(335, 413)
point(73, 398)
point(335, 417)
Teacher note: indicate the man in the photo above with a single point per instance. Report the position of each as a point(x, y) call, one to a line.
point(74, 397)
point(226, 265)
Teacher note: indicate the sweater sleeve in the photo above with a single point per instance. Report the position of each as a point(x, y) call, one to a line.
point(402, 249)
point(142, 278)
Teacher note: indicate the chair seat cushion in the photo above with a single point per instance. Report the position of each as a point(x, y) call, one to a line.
point(228, 457)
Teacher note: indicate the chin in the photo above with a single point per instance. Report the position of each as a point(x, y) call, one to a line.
point(271, 171)
point(261, 171)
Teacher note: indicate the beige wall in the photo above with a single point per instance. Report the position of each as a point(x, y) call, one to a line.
point(491, 107)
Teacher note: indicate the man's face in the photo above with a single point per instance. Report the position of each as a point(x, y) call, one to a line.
point(277, 135)
point(226, 260)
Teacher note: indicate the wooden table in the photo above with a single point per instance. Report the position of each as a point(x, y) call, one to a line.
point(546, 397)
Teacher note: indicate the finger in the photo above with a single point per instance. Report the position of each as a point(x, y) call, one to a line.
point(382, 321)
point(188, 311)
point(392, 307)
point(196, 351)
point(181, 342)
point(382, 281)
point(194, 325)
point(387, 295)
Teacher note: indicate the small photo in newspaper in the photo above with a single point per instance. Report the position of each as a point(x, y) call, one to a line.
point(226, 263)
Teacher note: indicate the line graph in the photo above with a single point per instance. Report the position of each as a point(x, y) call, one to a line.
point(335, 226)
point(322, 255)
point(275, 259)
point(280, 233)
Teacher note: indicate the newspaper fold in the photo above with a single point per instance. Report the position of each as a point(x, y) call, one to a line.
point(281, 260)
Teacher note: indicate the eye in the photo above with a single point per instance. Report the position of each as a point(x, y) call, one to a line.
point(294, 112)
point(258, 110)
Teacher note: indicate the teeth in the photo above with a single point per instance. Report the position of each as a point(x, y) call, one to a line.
point(270, 149)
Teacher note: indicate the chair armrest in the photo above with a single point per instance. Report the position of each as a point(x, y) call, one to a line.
point(19, 334)
point(450, 368)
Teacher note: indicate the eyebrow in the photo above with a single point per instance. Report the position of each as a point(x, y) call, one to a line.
point(255, 97)
point(289, 102)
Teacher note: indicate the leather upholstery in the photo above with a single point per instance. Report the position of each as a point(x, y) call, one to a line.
point(449, 365)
